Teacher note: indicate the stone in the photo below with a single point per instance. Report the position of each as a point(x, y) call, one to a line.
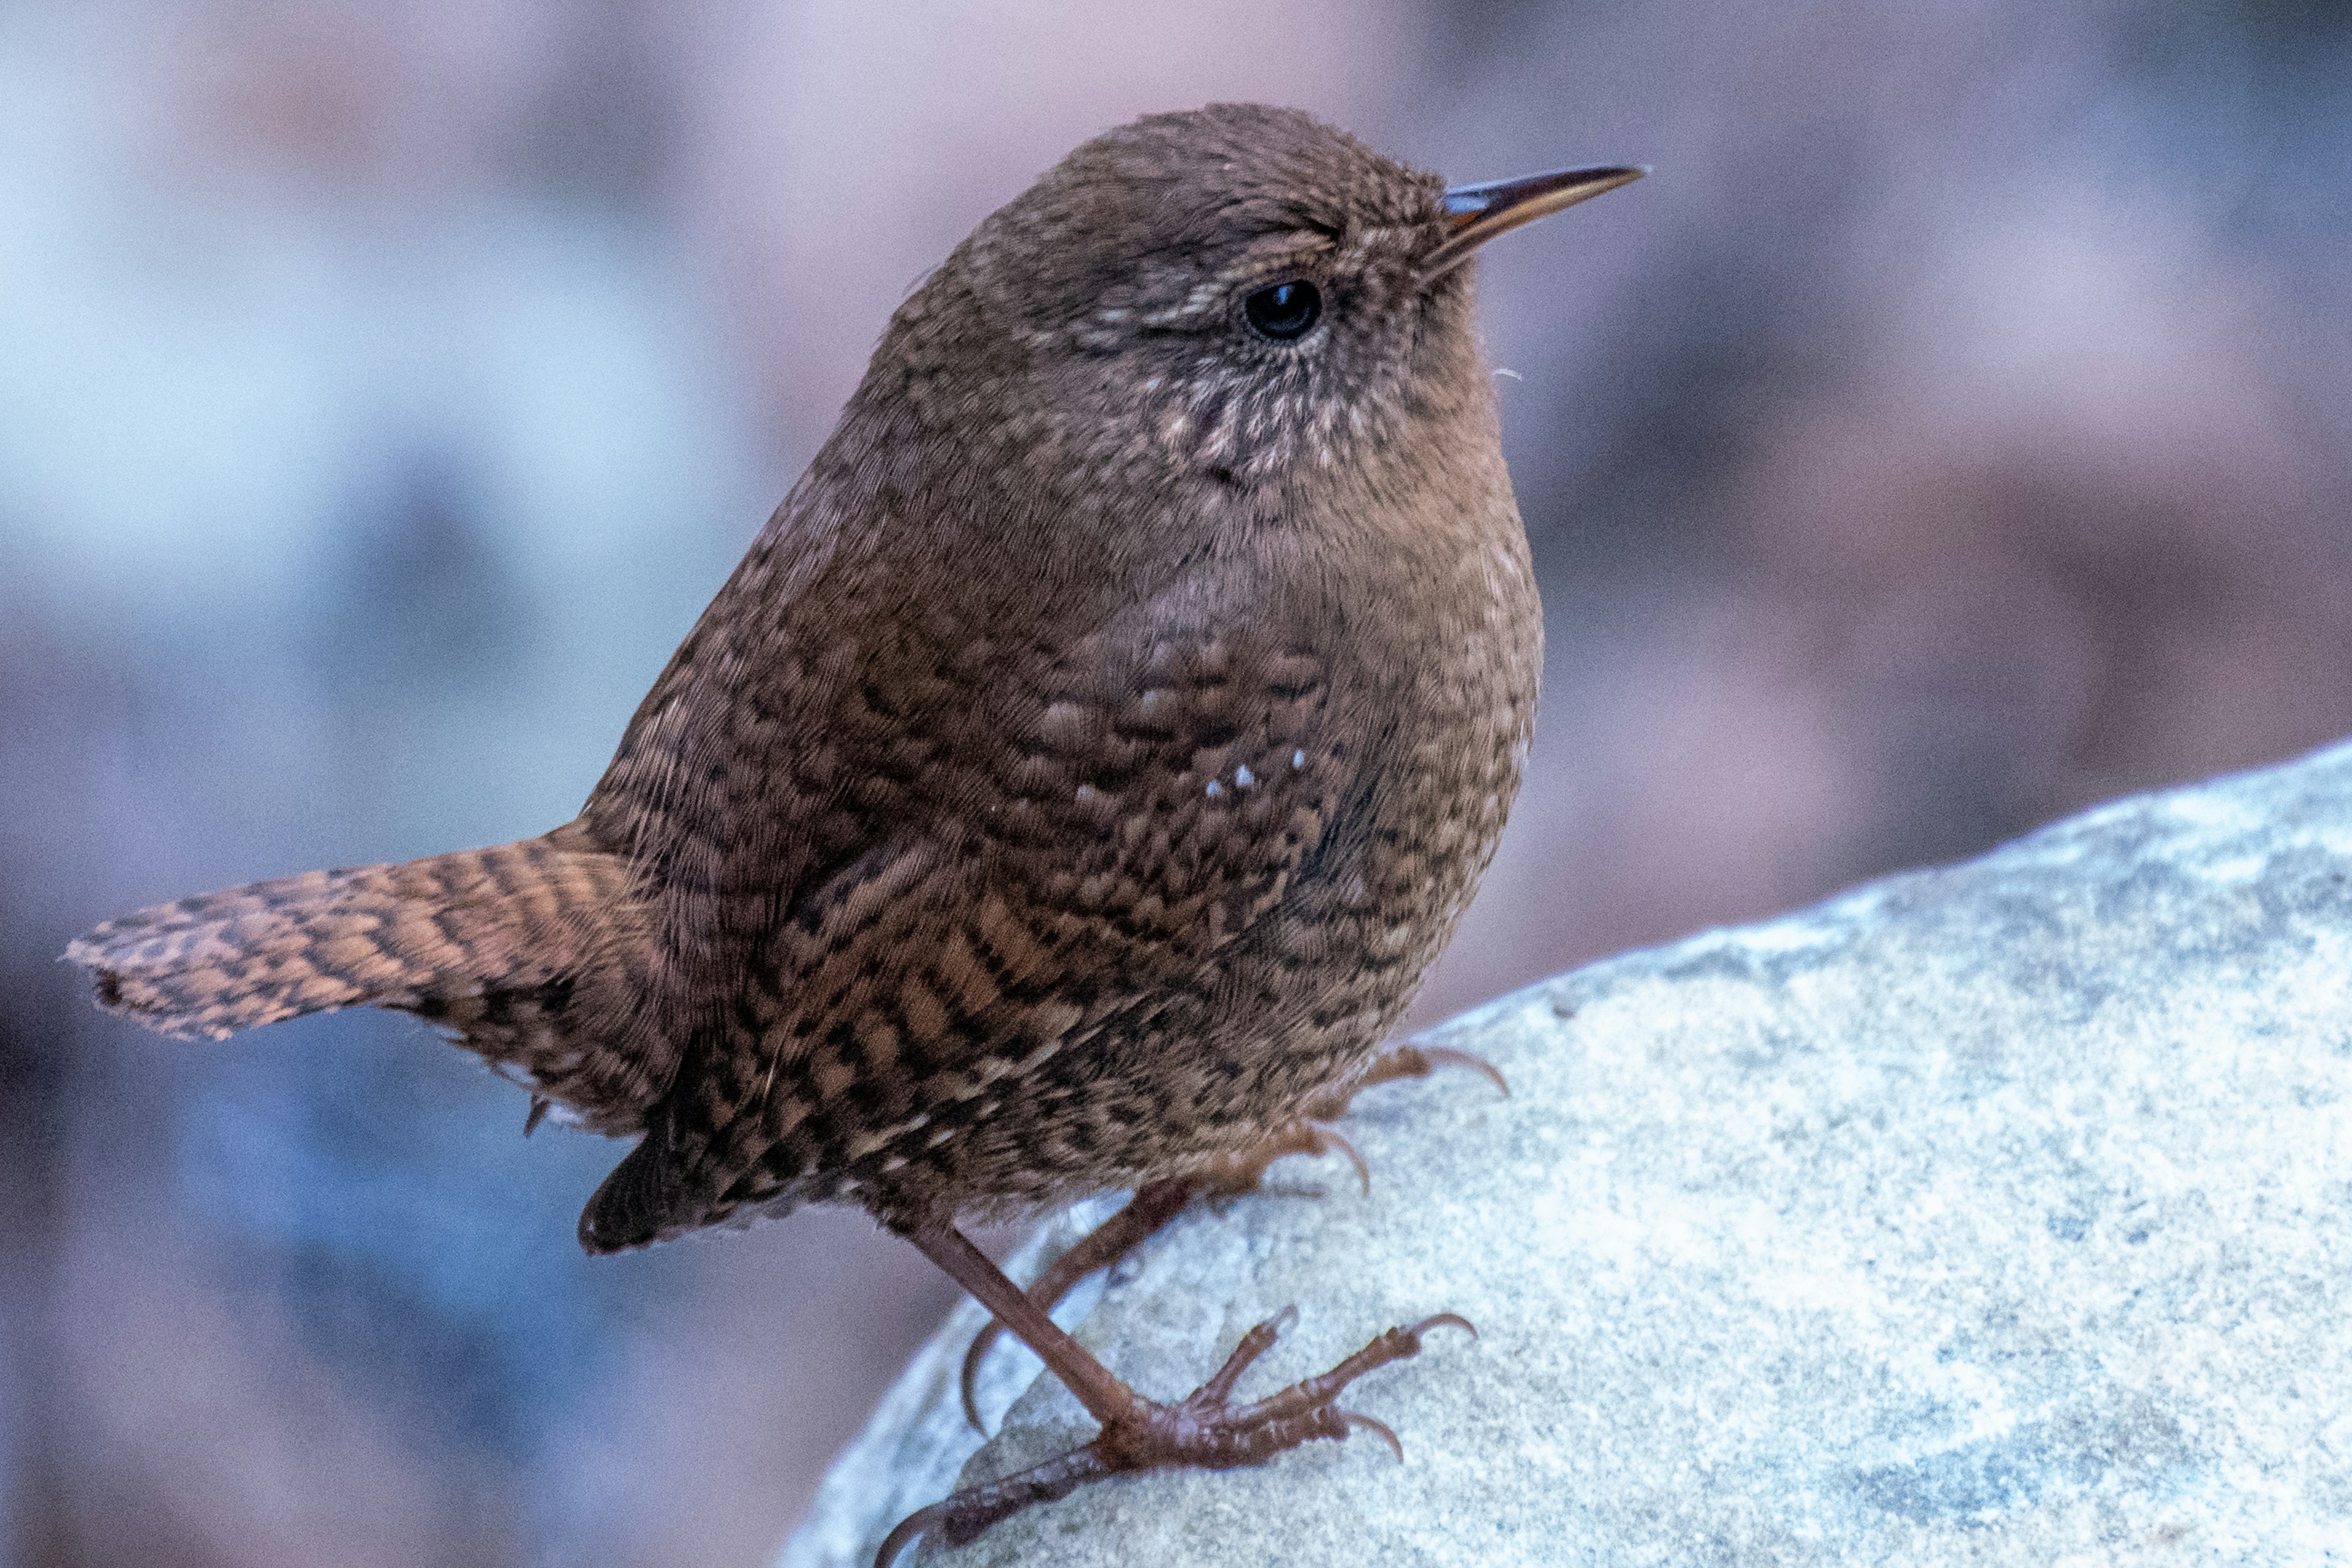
point(1997, 1214)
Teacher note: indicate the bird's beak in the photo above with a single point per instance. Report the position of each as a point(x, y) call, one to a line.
point(1476, 213)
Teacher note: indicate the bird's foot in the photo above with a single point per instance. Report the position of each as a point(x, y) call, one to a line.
point(1238, 1173)
point(1157, 1203)
point(1311, 1132)
point(1204, 1431)
point(1403, 1061)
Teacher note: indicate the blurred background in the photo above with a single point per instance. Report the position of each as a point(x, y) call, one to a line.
point(1957, 429)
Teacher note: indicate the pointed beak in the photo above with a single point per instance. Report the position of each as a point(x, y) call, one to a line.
point(1476, 213)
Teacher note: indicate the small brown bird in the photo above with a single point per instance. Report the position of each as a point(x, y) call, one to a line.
point(1069, 788)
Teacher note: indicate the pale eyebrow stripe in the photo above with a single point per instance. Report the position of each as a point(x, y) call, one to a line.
point(1261, 257)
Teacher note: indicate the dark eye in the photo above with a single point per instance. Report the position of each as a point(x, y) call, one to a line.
point(1284, 312)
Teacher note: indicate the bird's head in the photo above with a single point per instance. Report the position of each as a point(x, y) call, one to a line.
point(1231, 300)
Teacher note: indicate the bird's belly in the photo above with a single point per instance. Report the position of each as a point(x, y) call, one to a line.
point(1299, 1001)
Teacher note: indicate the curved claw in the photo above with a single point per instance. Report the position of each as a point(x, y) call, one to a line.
point(967, 1383)
point(1354, 1421)
point(1332, 1138)
point(1243, 1172)
point(1447, 1056)
point(902, 1534)
point(1443, 1320)
point(1403, 1062)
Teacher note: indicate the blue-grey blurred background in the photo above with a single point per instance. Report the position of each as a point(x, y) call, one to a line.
point(1952, 432)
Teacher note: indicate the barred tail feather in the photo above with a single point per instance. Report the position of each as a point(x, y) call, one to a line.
point(498, 944)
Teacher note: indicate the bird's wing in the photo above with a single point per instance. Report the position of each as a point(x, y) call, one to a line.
point(1016, 855)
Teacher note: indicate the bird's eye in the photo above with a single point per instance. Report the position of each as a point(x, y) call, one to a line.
point(1284, 311)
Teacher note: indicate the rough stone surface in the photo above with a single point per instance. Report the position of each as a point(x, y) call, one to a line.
point(1994, 1215)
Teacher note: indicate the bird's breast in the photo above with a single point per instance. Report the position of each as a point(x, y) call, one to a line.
point(1438, 687)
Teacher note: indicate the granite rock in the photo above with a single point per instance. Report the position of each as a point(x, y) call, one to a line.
point(1999, 1213)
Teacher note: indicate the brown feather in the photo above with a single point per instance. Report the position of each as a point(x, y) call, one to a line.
point(521, 950)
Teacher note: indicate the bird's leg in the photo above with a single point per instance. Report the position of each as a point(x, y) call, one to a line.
point(1157, 1203)
point(1205, 1429)
point(1153, 1205)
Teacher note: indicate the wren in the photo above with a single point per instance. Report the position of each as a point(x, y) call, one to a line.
point(1069, 788)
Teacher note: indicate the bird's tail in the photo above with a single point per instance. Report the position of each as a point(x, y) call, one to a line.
point(532, 952)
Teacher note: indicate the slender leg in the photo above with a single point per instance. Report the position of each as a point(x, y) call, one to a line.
point(1204, 1430)
point(1152, 1206)
point(1157, 1203)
